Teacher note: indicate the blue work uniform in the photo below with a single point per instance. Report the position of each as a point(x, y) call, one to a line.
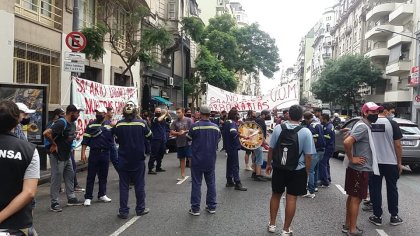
point(324, 164)
point(205, 136)
point(131, 135)
point(98, 136)
point(158, 143)
point(232, 145)
point(319, 139)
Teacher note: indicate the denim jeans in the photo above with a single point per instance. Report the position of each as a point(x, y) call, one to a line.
point(320, 155)
point(312, 173)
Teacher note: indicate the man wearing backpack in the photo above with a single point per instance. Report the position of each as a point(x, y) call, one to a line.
point(61, 135)
point(291, 150)
point(319, 140)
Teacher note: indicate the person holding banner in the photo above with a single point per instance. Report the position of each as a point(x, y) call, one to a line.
point(232, 145)
point(98, 136)
point(131, 134)
point(114, 151)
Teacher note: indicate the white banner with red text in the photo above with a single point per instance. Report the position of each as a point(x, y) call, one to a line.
point(280, 97)
point(90, 95)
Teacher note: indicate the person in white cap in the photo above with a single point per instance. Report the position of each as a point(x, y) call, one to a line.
point(98, 136)
point(23, 120)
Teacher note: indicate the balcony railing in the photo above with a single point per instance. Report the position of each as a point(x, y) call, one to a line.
point(42, 11)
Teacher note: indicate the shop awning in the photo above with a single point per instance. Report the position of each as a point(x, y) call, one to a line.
point(162, 100)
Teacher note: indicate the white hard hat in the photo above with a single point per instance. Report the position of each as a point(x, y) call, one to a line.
point(23, 108)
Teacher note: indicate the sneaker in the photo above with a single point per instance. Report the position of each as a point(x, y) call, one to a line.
point(345, 229)
point(87, 202)
point(78, 189)
point(249, 168)
point(309, 195)
point(151, 172)
point(368, 207)
point(55, 207)
point(122, 216)
point(160, 170)
point(316, 190)
point(375, 220)
point(211, 211)
point(324, 186)
point(396, 220)
point(240, 187)
point(230, 184)
point(259, 178)
point(144, 212)
point(104, 198)
point(271, 228)
point(367, 202)
point(180, 178)
point(193, 213)
point(286, 233)
point(74, 202)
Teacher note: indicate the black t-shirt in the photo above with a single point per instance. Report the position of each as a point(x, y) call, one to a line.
point(64, 136)
point(396, 131)
point(261, 122)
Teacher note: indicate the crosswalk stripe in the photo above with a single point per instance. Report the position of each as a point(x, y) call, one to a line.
point(381, 232)
point(341, 189)
point(182, 181)
point(125, 226)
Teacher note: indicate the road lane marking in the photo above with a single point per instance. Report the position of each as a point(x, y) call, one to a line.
point(125, 226)
point(182, 181)
point(381, 232)
point(341, 189)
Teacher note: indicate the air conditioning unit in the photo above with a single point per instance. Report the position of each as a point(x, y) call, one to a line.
point(171, 81)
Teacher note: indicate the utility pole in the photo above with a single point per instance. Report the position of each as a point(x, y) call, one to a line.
point(74, 28)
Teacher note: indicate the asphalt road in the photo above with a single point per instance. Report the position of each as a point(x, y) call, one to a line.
point(238, 213)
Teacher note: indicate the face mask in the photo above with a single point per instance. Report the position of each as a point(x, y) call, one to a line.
point(157, 114)
point(25, 121)
point(100, 118)
point(372, 118)
point(392, 116)
point(73, 118)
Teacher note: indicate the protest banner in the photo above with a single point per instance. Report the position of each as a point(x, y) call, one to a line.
point(90, 95)
point(280, 97)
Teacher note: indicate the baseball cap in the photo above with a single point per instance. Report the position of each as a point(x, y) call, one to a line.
point(101, 109)
point(205, 110)
point(371, 106)
point(22, 107)
point(73, 108)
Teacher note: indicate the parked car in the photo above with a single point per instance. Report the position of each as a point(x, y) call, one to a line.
point(410, 142)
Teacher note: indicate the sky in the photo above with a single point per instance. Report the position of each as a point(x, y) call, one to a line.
point(287, 21)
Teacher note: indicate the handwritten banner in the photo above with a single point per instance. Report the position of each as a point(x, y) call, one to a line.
point(90, 95)
point(279, 97)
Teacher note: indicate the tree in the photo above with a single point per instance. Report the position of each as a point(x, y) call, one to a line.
point(228, 49)
point(341, 79)
point(120, 25)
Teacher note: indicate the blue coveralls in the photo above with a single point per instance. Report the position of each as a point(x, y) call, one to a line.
point(158, 143)
point(324, 164)
point(232, 145)
point(130, 136)
point(98, 162)
point(114, 155)
point(205, 136)
point(318, 135)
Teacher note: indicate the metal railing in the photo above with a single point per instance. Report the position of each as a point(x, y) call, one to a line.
point(42, 11)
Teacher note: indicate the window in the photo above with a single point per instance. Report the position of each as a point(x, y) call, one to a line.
point(87, 14)
point(46, 12)
point(327, 28)
point(121, 80)
point(238, 18)
point(37, 65)
point(328, 18)
point(120, 22)
point(172, 10)
point(220, 2)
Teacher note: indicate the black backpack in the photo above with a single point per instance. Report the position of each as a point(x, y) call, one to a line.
point(286, 152)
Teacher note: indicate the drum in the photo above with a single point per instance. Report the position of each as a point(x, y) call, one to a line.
point(254, 133)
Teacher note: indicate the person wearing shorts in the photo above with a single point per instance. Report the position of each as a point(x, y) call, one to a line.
point(359, 153)
point(179, 129)
point(294, 182)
